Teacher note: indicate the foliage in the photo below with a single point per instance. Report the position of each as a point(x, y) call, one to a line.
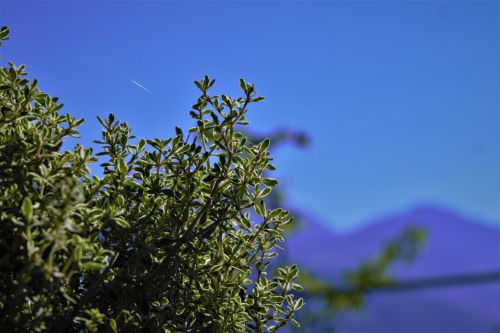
point(174, 236)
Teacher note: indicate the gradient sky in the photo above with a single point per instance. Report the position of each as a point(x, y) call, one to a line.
point(400, 99)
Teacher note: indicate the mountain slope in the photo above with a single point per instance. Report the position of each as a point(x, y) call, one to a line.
point(456, 245)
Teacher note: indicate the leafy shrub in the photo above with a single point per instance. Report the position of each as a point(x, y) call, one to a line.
point(174, 235)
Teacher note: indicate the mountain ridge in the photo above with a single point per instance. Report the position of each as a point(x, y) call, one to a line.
point(456, 245)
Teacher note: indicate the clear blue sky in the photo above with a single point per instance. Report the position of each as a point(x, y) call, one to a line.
point(401, 99)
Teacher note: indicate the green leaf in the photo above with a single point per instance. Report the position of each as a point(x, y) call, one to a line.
point(265, 144)
point(140, 145)
point(120, 200)
point(112, 325)
point(270, 181)
point(198, 84)
point(243, 85)
point(27, 209)
point(4, 33)
point(122, 222)
point(265, 192)
point(111, 119)
point(270, 167)
point(295, 323)
point(299, 304)
point(206, 82)
point(183, 149)
point(122, 167)
point(216, 268)
point(93, 266)
point(263, 209)
point(274, 213)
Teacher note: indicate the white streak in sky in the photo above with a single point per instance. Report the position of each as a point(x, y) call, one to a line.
point(139, 85)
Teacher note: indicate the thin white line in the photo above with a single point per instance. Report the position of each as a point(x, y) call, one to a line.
point(139, 85)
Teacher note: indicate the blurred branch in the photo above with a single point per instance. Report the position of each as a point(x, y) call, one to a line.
point(282, 136)
point(441, 282)
point(322, 290)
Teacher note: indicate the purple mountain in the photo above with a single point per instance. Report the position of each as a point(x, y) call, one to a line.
point(455, 246)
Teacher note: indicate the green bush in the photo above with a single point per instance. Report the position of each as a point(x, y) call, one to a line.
point(174, 236)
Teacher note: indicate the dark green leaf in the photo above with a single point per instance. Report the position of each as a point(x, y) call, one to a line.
point(27, 209)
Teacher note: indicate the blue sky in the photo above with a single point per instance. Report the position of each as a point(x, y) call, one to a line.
point(400, 99)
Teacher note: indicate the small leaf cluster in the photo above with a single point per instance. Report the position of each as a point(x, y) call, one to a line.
point(173, 236)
